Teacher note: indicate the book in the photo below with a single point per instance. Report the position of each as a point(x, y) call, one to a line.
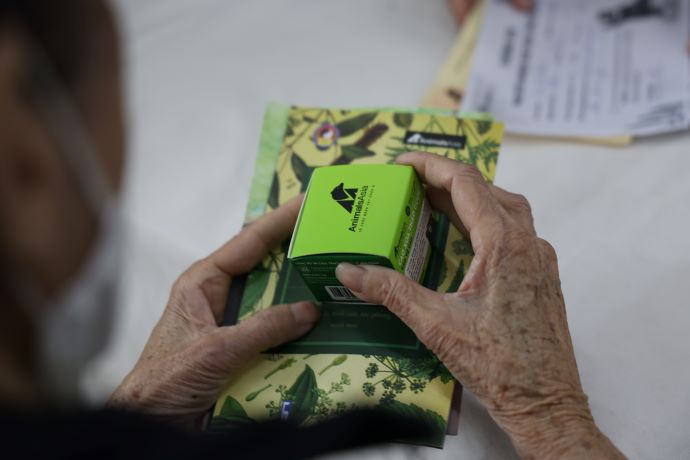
point(357, 355)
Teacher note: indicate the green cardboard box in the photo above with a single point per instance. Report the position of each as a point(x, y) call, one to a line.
point(374, 214)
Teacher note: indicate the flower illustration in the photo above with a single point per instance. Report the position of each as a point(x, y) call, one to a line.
point(325, 136)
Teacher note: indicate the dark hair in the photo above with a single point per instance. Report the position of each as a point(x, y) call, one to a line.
point(60, 27)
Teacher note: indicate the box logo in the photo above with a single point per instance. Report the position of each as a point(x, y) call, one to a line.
point(445, 141)
point(352, 200)
point(345, 197)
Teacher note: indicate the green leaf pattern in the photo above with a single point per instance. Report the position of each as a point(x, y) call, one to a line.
point(354, 124)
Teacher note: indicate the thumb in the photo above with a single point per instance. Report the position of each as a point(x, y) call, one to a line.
point(414, 304)
point(267, 329)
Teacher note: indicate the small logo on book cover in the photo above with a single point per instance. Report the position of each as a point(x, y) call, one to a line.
point(285, 409)
point(445, 141)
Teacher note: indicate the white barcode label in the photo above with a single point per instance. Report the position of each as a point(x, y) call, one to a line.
point(420, 245)
point(340, 293)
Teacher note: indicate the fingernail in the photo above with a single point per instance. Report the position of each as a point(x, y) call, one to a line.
point(305, 312)
point(350, 275)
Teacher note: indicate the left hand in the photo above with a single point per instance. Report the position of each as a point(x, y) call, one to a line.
point(189, 359)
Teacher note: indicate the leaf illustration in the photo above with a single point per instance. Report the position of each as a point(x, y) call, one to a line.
point(284, 365)
point(303, 395)
point(486, 151)
point(371, 135)
point(457, 278)
point(403, 120)
point(423, 368)
point(253, 395)
point(294, 122)
point(351, 125)
point(232, 413)
point(462, 247)
point(443, 272)
point(435, 422)
point(336, 362)
point(274, 196)
point(354, 152)
point(257, 282)
point(302, 171)
point(484, 126)
point(491, 157)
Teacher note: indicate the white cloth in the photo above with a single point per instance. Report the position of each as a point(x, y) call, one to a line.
point(199, 75)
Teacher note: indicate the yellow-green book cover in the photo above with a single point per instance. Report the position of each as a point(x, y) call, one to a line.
point(357, 356)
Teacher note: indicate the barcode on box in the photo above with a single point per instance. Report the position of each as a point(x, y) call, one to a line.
point(340, 293)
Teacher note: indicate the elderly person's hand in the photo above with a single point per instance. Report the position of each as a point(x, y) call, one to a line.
point(189, 358)
point(504, 334)
point(461, 8)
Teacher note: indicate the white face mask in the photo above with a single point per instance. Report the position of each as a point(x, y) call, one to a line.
point(75, 326)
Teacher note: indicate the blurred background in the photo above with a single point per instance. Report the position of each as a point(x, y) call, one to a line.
point(199, 75)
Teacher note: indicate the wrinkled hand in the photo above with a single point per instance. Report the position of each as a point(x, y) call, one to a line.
point(189, 358)
point(461, 8)
point(504, 333)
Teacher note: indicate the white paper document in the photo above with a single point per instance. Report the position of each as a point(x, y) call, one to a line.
point(584, 67)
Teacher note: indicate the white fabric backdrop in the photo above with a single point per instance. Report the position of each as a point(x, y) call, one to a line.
point(199, 74)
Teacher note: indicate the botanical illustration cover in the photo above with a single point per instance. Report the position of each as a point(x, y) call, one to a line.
point(358, 355)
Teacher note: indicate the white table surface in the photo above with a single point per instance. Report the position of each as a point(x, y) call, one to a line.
point(199, 74)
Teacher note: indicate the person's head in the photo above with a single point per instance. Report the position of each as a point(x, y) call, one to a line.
point(56, 58)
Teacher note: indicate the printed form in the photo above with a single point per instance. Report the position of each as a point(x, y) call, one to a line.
point(584, 68)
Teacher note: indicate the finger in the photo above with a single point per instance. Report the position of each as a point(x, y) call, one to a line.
point(414, 304)
point(461, 9)
point(245, 250)
point(441, 201)
point(475, 205)
point(517, 207)
point(266, 329)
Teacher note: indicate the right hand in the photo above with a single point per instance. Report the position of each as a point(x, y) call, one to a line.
point(461, 8)
point(504, 334)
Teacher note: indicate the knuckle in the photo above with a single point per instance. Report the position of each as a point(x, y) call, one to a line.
point(182, 284)
point(516, 243)
point(522, 204)
point(461, 172)
point(469, 172)
point(392, 291)
point(517, 239)
point(521, 211)
point(548, 251)
point(178, 288)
